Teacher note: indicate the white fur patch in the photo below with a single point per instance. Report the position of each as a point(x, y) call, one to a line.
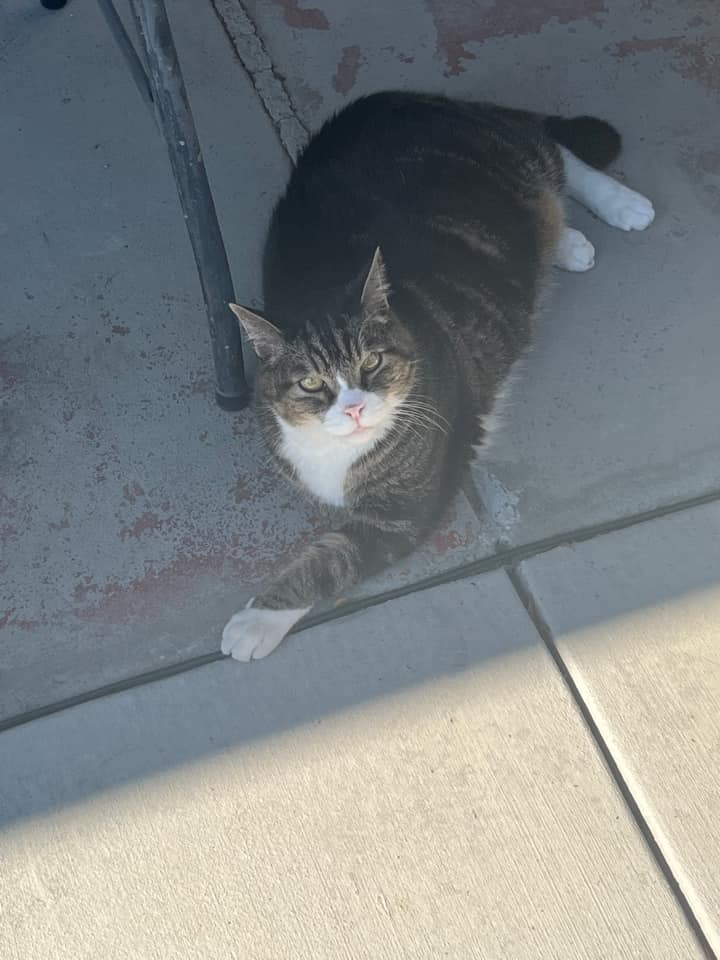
point(323, 452)
point(253, 634)
point(574, 252)
point(321, 460)
point(611, 201)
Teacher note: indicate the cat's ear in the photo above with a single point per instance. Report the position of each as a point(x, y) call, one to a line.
point(374, 297)
point(266, 339)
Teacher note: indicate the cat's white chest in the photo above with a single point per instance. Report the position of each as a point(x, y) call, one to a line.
point(321, 461)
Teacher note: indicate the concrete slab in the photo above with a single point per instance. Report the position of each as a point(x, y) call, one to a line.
point(134, 515)
point(635, 616)
point(413, 782)
point(614, 411)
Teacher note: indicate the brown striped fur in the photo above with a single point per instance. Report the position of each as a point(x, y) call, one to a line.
point(465, 202)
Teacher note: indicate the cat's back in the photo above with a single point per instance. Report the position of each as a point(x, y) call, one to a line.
point(416, 174)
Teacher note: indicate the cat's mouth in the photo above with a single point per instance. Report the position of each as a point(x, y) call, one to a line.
point(359, 434)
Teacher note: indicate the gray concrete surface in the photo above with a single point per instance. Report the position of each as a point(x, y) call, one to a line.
point(412, 782)
point(636, 618)
point(420, 779)
point(135, 517)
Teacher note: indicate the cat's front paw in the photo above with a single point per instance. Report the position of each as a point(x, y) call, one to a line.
point(253, 633)
point(626, 209)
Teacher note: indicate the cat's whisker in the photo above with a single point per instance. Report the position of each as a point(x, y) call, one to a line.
point(429, 412)
point(426, 423)
point(407, 426)
point(420, 400)
point(425, 414)
point(409, 417)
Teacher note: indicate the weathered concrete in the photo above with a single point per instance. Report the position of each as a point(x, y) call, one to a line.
point(135, 517)
point(615, 412)
point(636, 618)
point(413, 782)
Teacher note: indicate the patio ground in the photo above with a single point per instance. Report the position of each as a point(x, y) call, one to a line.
point(508, 747)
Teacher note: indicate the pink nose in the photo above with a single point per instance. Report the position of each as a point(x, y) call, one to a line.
point(354, 411)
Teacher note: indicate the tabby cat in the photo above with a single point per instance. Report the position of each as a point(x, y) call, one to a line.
point(402, 267)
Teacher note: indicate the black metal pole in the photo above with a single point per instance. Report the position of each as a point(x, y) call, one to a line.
point(176, 123)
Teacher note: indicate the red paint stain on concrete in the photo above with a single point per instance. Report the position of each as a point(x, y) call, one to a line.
point(460, 22)
point(149, 596)
point(347, 70)
point(145, 597)
point(447, 537)
point(131, 491)
point(8, 619)
point(84, 588)
point(200, 382)
point(709, 161)
point(627, 48)
point(300, 19)
point(445, 540)
point(242, 491)
point(63, 524)
point(7, 533)
point(148, 521)
point(402, 57)
point(690, 58)
point(10, 374)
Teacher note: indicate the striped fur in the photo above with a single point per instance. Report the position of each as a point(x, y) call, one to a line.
point(465, 202)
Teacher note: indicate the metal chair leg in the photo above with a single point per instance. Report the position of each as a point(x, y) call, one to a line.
point(176, 123)
point(164, 89)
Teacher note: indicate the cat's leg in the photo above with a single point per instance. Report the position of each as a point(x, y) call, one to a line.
point(611, 201)
point(253, 633)
point(325, 569)
point(574, 252)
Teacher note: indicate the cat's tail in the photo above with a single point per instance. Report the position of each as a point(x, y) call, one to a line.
point(594, 141)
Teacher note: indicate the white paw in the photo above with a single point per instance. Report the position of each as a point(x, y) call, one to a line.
point(626, 209)
point(252, 634)
point(575, 252)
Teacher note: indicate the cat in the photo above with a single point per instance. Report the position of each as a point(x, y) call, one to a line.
point(402, 267)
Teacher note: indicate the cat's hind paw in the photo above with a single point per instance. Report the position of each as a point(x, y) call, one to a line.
point(253, 633)
point(574, 252)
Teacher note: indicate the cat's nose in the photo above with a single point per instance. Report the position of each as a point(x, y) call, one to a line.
point(354, 410)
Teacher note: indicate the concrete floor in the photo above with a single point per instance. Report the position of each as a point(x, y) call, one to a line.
point(126, 495)
point(135, 517)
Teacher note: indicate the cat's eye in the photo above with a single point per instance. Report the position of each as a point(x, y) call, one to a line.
point(371, 362)
point(312, 383)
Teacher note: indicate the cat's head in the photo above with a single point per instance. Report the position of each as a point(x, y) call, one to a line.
point(346, 376)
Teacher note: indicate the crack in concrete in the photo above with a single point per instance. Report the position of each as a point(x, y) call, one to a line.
point(505, 558)
point(527, 598)
point(270, 87)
